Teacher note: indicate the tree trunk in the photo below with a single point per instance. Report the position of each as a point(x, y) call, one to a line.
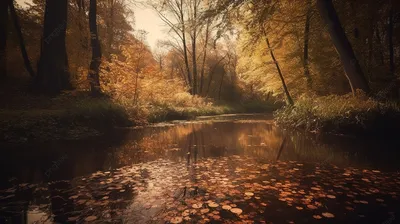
point(3, 37)
point(289, 98)
point(53, 72)
point(306, 43)
point(349, 61)
point(185, 53)
point(21, 40)
point(204, 57)
point(194, 54)
point(96, 51)
point(110, 29)
point(390, 42)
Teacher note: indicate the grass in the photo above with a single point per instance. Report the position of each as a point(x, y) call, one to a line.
point(76, 115)
point(346, 114)
point(88, 117)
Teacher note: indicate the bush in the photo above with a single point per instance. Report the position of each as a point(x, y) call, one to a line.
point(339, 114)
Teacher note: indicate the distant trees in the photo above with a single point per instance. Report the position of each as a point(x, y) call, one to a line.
point(185, 18)
point(314, 47)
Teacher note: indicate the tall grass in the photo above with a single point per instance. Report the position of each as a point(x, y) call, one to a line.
point(335, 113)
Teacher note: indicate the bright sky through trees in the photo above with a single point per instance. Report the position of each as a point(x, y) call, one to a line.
point(145, 19)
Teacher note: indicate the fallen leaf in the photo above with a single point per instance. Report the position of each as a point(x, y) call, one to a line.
point(90, 218)
point(237, 211)
point(226, 207)
point(176, 220)
point(328, 215)
point(317, 217)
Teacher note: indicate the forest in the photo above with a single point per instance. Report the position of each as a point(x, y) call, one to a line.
point(199, 111)
point(332, 63)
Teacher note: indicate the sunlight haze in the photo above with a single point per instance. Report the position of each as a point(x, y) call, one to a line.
point(145, 19)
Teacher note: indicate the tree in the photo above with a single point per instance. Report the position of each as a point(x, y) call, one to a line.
point(349, 61)
point(178, 26)
point(184, 19)
point(3, 36)
point(289, 98)
point(306, 62)
point(96, 50)
point(21, 40)
point(53, 71)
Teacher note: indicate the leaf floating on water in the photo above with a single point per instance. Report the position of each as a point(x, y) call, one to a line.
point(216, 217)
point(364, 202)
point(73, 218)
point(328, 215)
point(237, 211)
point(197, 205)
point(213, 204)
point(312, 207)
point(90, 218)
point(317, 217)
point(176, 220)
point(204, 211)
point(226, 207)
point(249, 194)
point(299, 208)
point(331, 196)
point(380, 200)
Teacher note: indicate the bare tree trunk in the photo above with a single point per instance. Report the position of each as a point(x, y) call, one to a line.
point(24, 53)
point(349, 61)
point(306, 65)
point(185, 50)
point(96, 51)
point(4, 4)
point(194, 53)
point(204, 57)
point(53, 72)
point(110, 28)
point(289, 98)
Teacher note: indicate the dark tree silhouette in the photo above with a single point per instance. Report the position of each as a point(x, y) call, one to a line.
point(96, 50)
point(3, 37)
point(21, 40)
point(349, 61)
point(53, 71)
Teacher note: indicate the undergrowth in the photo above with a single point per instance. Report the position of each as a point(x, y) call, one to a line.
point(346, 114)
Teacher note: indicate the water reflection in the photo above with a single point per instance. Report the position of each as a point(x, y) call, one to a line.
point(199, 172)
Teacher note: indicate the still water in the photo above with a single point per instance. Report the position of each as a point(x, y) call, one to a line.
point(225, 169)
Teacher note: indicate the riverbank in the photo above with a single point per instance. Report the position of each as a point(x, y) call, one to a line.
point(342, 115)
point(78, 116)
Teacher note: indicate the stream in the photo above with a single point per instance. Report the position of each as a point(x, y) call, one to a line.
point(222, 169)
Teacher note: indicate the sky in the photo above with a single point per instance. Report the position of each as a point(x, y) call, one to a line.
point(148, 20)
point(145, 19)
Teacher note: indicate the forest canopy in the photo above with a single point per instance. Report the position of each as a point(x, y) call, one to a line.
point(218, 52)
